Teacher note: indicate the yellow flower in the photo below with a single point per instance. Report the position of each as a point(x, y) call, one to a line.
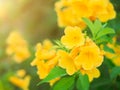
point(43, 69)
point(85, 58)
point(21, 82)
point(115, 57)
point(102, 9)
point(67, 62)
point(90, 56)
point(21, 73)
point(116, 60)
point(73, 37)
point(17, 47)
point(94, 73)
point(45, 51)
point(45, 59)
point(71, 12)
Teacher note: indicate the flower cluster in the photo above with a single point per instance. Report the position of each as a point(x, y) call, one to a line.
point(17, 47)
point(71, 12)
point(21, 80)
point(82, 55)
point(45, 60)
point(76, 55)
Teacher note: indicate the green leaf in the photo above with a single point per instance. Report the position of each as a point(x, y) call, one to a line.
point(103, 39)
point(83, 82)
point(59, 45)
point(90, 25)
point(97, 26)
point(108, 49)
point(104, 32)
point(64, 83)
point(54, 73)
point(114, 72)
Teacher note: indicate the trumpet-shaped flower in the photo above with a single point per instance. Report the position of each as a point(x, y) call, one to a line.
point(45, 59)
point(21, 82)
point(102, 9)
point(44, 51)
point(71, 12)
point(73, 37)
point(44, 67)
point(90, 56)
point(17, 47)
point(67, 62)
point(115, 57)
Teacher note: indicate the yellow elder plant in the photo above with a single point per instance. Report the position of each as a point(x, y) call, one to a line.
point(76, 60)
point(73, 61)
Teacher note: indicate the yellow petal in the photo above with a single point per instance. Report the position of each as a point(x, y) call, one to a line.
point(90, 57)
point(73, 37)
point(93, 73)
point(66, 62)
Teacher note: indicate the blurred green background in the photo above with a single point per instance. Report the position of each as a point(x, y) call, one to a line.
point(36, 20)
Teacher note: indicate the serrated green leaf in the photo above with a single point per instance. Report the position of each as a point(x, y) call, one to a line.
point(90, 25)
point(83, 82)
point(102, 39)
point(108, 49)
point(104, 32)
point(114, 72)
point(97, 26)
point(54, 73)
point(64, 83)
